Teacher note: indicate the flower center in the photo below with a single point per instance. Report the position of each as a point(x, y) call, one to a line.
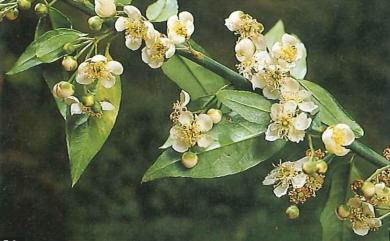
point(135, 28)
point(250, 27)
point(289, 53)
point(273, 78)
point(97, 70)
point(180, 28)
point(158, 51)
point(188, 135)
point(338, 136)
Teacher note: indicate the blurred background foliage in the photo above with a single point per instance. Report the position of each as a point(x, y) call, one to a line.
point(348, 44)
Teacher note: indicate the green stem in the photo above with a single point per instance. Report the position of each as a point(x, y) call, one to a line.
point(368, 154)
point(384, 216)
point(376, 173)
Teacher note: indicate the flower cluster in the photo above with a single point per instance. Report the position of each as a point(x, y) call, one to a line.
point(158, 47)
point(270, 70)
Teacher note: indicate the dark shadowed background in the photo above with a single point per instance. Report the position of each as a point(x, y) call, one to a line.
point(348, 43)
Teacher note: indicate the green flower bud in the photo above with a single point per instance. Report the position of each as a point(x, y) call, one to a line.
point(97, 107)
point(343, 212)
point(63, 89)
point(95, 23)
point(69, 48)
point(215, 115)
point(88, 100)
point(368, 189)
point(322, 167)
point(41, 9)
point(292, 212)
point(12, 14)
point(24, 4)
point(310, 167)
point(69, 63)
point(189, 159)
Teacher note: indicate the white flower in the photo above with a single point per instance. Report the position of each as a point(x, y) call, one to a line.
point(290, 92)
point(270, 78)
point(157, 49)
point(234, 21)
point(180, 28)
point(76, 107)
point(286, 123)
point(105, 8)
point(98, 68)
point(285, 175)
point(245, 49)
point(337, 137)
point(190, 131)
point(288, 51)
point(135, 27)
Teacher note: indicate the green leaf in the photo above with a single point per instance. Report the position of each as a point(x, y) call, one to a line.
point(58, 19)
point(331, 112)
point(161, 10)
point(85, 137)
point(42, 27)
point(50, 49)
point(341, 176)
point(253, 107)
point(52, 76)
point(191, 77)
point(123, 2)
point(274, 34)
point(239, 145)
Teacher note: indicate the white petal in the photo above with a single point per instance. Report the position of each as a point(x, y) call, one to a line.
point(290, 84)
point(299, 180)
point(363, 230)
point(281, 190)
point(276, 111)
point(290, 107)
point(83, 79)
point(295, 135)
point(269, 181)
point(186, 118)
point(71, 100)
point(132, 12)
point(115, 67)
point(145, 56)
point(271, 93)
point(348, 135)
point(307, 106)
point(120, 24)
point(186, 16)
point(75, 108)
point(259, 41)
point(109, 82)
point(302, 122)
point(204, 122)
point(257, 81)
point(289, 39)
point(107, 106)
point(98, 58)
point(171, 22)
point(233, 22)
point(133, 43)
point(171, 51)
point(179, 147)
point(205, 141)
point(245, 49)
point(184, 98)
point(190, 28)
point(299, 163)
point(272, 133)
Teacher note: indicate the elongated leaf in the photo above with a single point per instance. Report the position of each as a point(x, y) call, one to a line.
point(58, 19)
point(239, 145)
point(51, 49)
point(161, 10)
point(52, 76)
point(274, 34)
point(253, 107)
point(191, 77)
point(85, 137)
point(26, 60)
point(331, 112)
point(124, 2)
point(42, 27)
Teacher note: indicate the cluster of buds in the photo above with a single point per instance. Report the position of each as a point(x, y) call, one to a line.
point(374, 193)
point(158, 47)
point(10, 8)
point(270, 69)
point(300, 179)
point(191, 129)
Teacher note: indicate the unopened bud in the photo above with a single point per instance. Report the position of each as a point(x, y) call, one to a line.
point(63, 89)
point(88, 100)
point(12, 14)
point(292, 212)
point(41, 9)
point(322, 167)
point(95, 23)
point(343, 212)
point(69, 63)
point(310, 167)
point(368, 189)
point(189, 159)
point(24, 4)
point(69, 48)
point(215, 115)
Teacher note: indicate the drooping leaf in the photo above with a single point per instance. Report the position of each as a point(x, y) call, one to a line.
point(238, 146)
point(253, 107)
point(51, 49)
point(58, 19)
point(85, 137)
point(274, 34)
point(124, 2)
point(331, 112)
point(191, 77)
point(161, 10)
